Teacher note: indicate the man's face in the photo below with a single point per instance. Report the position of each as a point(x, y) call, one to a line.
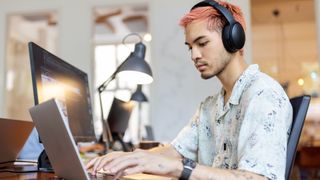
point(207, 50)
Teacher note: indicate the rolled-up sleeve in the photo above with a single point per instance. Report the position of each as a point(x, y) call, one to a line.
point(263, 136)
point(186, 143)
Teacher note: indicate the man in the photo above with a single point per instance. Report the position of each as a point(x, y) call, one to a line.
point(241, 132)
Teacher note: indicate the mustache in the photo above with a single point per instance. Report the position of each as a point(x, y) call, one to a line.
point(200, 63)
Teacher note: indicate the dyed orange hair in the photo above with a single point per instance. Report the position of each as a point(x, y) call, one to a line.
point(215, 19)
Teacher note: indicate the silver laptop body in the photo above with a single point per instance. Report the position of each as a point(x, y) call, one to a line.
point(58, 141)
point(60, 147)
point(13, 135)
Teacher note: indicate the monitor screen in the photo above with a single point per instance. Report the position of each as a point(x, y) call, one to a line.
point(54, 78)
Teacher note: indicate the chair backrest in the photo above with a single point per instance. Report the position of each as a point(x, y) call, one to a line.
point(300, 107)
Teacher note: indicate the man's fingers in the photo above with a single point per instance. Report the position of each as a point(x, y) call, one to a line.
point(99, 162)
point(124, 163)
point(96, 164)
point(118, 175)
point(104, 162)
point(133, 170)
point(113, 163)
point(91, 163)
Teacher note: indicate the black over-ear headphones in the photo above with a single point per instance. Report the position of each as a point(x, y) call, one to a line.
point(233, 36)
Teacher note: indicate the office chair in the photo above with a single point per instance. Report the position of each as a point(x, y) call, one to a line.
point(300, 107)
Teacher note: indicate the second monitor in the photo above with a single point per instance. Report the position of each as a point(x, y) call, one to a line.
point(54, 78)
point(119, 116)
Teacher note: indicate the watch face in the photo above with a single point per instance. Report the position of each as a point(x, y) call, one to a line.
point(189, 163)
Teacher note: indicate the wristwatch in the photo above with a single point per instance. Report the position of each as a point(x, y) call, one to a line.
point(188, 166)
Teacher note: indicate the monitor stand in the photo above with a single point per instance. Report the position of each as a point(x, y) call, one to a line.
point(44, 164)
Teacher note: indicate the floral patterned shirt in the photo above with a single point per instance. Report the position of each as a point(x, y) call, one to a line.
point(249, 132)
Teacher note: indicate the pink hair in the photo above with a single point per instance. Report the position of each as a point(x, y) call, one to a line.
point(214, 18)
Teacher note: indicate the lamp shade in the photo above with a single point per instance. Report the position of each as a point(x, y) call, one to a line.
point(138, 95)
point(135, 69)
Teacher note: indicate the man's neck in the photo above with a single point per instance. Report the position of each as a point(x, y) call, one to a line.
point(231, 74)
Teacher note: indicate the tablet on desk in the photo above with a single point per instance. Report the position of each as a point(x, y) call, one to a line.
point(13, 134)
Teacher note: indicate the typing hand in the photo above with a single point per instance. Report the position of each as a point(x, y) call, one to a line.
point(139, 161)
point(96, 164)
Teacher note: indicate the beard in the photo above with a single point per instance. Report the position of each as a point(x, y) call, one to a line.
point(219, 68)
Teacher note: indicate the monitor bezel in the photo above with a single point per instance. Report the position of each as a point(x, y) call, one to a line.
point(35, 79)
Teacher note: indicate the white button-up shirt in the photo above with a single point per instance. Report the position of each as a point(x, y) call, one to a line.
point(249, 132)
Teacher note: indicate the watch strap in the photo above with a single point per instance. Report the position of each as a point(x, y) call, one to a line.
point(188, 166)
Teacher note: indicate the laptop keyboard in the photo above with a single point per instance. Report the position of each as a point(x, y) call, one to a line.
point(101, 176)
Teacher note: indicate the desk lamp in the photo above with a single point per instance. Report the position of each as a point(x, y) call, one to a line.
point(134, 69)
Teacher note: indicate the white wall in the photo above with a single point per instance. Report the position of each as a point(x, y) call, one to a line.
point(2, 62)
point(317, 15)
point(177, 89)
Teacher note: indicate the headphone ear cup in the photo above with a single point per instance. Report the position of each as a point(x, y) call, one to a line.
point(226, 39)
point(233, 37)
point(238, 36)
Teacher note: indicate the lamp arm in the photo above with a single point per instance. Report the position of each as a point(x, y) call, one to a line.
point(106, 132)
point(104, 85)
point(106, 129)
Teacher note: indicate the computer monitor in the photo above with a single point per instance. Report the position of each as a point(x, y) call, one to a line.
point(54, 78)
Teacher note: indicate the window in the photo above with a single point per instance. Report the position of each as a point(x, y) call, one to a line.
point(40, 28)
point(111, 26)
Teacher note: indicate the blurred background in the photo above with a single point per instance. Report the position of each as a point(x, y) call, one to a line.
point(283, 37)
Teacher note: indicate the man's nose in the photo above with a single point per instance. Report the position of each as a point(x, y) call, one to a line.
point(195, 54)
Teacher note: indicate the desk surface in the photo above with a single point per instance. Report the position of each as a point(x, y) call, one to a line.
point(20, 168)
point(51, 176)
point(20, 176)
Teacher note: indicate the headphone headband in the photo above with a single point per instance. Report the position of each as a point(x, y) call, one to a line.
point(224, 11)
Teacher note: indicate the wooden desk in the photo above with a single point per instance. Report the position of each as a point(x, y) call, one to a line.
point(20, 176)
point(51, 176)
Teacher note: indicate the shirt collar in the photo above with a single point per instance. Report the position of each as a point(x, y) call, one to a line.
point(244, 80)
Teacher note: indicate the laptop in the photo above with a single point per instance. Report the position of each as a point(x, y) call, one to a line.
point(61, 149)
point(13, 135)
point(58, 141)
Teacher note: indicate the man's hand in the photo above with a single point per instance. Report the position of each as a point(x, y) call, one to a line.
point(97, 163)
point(138, 161)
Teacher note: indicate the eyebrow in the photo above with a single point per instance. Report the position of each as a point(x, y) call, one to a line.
point(194, 41)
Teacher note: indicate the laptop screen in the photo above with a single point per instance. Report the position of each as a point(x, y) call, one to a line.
point(54, 78)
